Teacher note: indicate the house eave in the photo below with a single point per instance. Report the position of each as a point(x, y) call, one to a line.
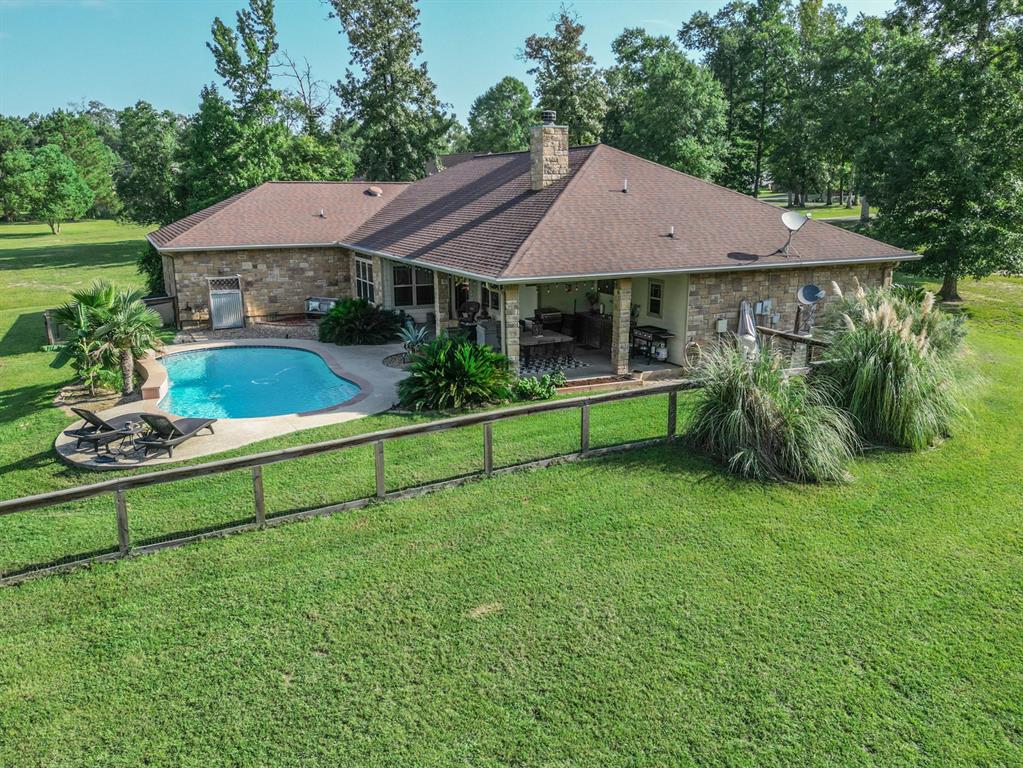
point(246, 247)
point(794, 263)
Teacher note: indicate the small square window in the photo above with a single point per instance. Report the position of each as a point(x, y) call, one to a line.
point(655, 298)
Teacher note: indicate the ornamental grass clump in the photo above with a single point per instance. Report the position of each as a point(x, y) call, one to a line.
point(768, 426)
point(899, 390)
point(944, 331)
point(449, 373)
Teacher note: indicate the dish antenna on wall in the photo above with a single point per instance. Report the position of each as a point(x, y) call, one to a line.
point(809, 295)
point(793, 221)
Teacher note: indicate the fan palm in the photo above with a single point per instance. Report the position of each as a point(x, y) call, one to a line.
point(128, 329)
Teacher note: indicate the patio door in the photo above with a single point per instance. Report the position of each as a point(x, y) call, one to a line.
point(226, 302)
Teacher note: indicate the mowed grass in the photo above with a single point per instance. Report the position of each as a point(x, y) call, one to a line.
point(643, 609)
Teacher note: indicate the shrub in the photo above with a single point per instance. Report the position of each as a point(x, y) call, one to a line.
point(356, 321)
point(765, 425)
point(898, 389)
point(542, 388)
point(945, 332)
point(413, 338)
point(454, 373)
point(149, 264)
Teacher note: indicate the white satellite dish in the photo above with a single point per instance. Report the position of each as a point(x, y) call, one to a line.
point(793, 221)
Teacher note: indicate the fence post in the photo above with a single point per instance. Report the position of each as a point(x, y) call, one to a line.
point(488, 448)
point(257, 495)
point(47, 321)
point(672, 413)
point(378, 457)
point(584, 428)
point(123, 542)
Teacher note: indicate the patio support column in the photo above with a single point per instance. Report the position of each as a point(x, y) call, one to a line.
point(887, 279)
point(621, 316)
point(441, 287)
point(510, 326)
point(378, 282)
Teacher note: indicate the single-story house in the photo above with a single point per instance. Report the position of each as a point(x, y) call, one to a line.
point(600, 239)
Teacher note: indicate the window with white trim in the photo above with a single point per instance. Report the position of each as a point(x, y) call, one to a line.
point(655, 297)
point(364, 288)
point(413, 286)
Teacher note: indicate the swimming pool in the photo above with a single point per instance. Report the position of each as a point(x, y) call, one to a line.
point(244, 382)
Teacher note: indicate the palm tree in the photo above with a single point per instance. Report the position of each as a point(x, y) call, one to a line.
point(128, 330)
point(79, 319)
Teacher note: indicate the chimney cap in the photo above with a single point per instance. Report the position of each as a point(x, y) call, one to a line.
point(548, 116)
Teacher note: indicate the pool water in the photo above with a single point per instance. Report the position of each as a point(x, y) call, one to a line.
point(244, 382)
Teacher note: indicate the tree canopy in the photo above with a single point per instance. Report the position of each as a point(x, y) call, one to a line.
point(500, 117)
point(664, 107)
point(567, 78)
point(399, 122)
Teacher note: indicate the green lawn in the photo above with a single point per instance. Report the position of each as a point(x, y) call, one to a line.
point(817, 210)
point(644, 609)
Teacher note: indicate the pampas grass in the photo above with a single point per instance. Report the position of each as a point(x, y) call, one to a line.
point(888, 374)
point(765, 425)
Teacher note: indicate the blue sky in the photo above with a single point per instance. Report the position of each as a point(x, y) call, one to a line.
point(55, 52)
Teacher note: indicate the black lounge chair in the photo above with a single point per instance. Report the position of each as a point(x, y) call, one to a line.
point(100, 432)
point(167, 434)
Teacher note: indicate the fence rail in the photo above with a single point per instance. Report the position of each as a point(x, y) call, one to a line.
point(809, 342)
point(119, 486)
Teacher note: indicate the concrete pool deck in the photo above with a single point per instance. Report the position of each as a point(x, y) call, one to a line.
point(362, 365)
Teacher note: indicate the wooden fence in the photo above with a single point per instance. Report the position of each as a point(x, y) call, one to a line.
point(119, 487)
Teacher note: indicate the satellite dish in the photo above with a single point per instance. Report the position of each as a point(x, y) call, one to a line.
point(809, 295)
point(793, 221)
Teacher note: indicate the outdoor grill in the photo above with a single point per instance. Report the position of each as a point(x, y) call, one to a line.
point(548, 317)
point(646, 339)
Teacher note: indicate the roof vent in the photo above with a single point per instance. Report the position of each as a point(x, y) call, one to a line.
point(625, 185)
point(548, 116)
point(375, 192)
point(671, 232)
point(322, 214)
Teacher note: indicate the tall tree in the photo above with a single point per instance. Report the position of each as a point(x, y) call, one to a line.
point(500, 117)
point(749, 46)
point(663, 106)
point(946, 162)
point(567, 78)
point(16, 179)
point(77, 138)
point(243, 57)
point(210, 161)
point(60, 192)
point(147, 179)
point(400, 123)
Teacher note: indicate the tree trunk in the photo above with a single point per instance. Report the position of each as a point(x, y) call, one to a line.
point(864, 209)
point(789, 205)
point(950, 288)
point(54, 227)
point(127, 372)
point(828, 196)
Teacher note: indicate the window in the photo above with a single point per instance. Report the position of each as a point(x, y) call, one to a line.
point(655, 298)
point(413, 286)
point(364, 288)
point(491, 297)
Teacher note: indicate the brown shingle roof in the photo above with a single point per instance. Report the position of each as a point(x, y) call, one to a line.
point(278, 213)
point(472, 217)
point(480, 217)
point(597, 229)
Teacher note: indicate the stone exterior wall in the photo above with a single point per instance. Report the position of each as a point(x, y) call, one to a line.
point(714, 295)
point(621, 316)
point(548, 155)
point(275, 281)
point(510, 325)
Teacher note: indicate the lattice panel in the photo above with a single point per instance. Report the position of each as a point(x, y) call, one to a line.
point(225, 284)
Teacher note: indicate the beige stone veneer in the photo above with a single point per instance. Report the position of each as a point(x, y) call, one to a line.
point(275, 281)
point(714, 295)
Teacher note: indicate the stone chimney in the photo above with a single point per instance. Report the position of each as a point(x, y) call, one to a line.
point(548, 151)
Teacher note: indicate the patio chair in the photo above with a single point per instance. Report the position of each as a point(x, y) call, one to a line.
point(467, 314)
point(167, 434)
point(100, 432)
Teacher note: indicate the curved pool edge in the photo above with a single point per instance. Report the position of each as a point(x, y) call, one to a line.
point(362, 366)
point(365, 387)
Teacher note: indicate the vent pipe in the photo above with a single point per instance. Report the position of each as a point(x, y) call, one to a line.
point(671, 232)
point(625, 185)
